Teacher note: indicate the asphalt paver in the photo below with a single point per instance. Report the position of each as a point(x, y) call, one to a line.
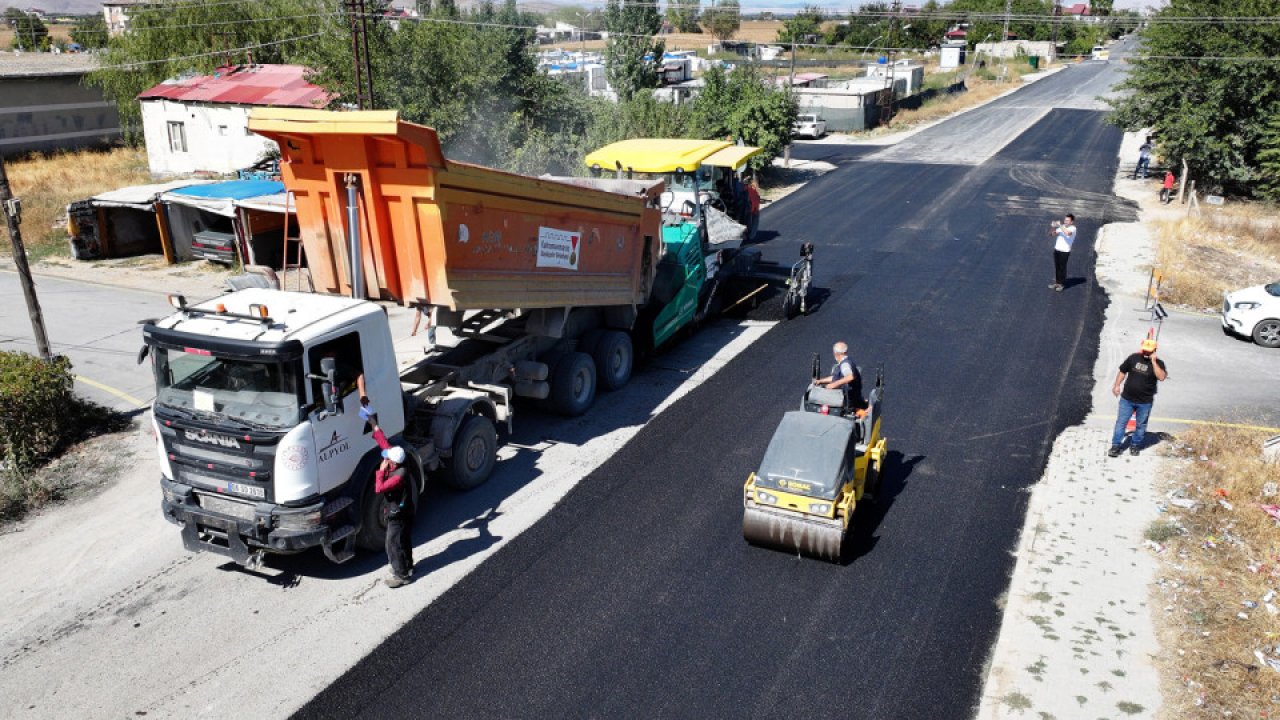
point(637, 596)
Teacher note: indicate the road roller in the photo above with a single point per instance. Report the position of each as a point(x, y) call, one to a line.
point(823, 460)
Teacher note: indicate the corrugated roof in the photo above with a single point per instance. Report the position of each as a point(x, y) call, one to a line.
point(262, 85)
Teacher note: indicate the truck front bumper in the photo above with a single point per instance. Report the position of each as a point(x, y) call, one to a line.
point(242, 530)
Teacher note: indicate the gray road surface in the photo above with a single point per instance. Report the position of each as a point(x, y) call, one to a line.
point(94, 325)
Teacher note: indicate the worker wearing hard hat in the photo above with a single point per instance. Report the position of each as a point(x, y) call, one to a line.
point(392, 483)
point(1136, 385)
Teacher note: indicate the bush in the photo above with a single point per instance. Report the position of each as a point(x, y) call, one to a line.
point(40, 415)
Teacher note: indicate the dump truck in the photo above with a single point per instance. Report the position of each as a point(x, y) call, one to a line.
point(548, 286)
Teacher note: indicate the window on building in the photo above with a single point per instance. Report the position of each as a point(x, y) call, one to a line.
point(177, 137)
point(222, 130)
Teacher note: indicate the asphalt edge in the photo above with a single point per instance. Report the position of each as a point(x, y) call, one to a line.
point(1031, 667)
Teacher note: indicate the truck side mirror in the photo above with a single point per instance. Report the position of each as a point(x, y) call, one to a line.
point(329, 387)
point(143, 353)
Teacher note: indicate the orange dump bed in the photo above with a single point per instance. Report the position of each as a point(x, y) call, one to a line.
point(452, 234)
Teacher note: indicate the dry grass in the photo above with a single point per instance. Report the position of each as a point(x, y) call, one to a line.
point(1220, 582)
point(48, 183)
point(56, 33)
point(1220, 250)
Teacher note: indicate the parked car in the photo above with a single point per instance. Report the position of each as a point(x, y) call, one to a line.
point(810, 126)
point(1254, 312)
point(1100, 53)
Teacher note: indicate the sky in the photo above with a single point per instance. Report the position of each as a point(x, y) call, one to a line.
point(747, 5)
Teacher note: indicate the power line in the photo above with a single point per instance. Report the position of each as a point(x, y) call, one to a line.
point(227, 51)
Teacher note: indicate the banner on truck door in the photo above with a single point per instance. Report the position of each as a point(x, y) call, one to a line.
point(558, 248)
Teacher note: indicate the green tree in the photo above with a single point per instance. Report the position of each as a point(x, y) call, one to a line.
point(683, 15)
point(741, 105)
point(1101, 8)
point(803, 27)
point(722, 19)
point(1269, 159)
point(29, 33)
point(1210, 111)
point(90, 32)
point(631, 54)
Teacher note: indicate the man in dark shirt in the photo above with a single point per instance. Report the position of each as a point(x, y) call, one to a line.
point(844, 377)
point(1136, 384)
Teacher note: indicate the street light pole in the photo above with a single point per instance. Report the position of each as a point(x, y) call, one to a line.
point(12, 213)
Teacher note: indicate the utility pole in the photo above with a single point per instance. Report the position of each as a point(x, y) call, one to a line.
point(886, 111)
point(1008, 7)
point(12, 210)
point(357, 14)
point(1057, 10)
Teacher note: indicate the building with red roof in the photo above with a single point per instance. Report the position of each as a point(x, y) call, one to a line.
point(201, 123)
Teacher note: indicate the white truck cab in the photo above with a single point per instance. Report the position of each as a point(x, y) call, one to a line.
point(257, 419)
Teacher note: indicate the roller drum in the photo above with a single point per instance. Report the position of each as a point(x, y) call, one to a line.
point(793, 534)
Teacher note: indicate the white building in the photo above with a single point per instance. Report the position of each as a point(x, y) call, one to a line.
point(906, 70)
point(201, 124)
point(116, 13)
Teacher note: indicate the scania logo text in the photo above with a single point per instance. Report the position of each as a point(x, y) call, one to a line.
point(205, 437)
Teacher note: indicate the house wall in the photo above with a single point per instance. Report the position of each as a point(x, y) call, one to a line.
point(217, 137)
point(53, 112)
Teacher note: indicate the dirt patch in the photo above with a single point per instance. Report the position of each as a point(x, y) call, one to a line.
point(83, 470)
point(1219, 585)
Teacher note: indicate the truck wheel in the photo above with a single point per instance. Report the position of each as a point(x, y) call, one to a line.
point(613, 355)
point(475, 449)
point(573, 384)
point(373, 526)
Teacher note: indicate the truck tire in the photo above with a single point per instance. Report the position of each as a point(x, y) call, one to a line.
point(573, 384)
point(475, 452)
point(614, 357)
point(373, 509)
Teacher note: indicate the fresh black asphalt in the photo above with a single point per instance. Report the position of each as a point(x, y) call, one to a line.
point(637, 597)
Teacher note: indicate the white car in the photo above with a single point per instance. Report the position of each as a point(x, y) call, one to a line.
point(1254, 312)
point(810, 126)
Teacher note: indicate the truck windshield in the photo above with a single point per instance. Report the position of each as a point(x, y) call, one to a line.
point(255, 393)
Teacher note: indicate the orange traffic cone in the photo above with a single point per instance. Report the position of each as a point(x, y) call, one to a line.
point(1132, 424)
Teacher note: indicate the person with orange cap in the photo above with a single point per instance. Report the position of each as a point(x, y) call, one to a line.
point(1136, 385)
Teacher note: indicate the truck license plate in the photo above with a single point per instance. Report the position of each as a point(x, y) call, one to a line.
point(250, 490)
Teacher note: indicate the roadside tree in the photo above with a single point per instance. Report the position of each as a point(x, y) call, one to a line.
point(1207, 89)
point(723, 19)
point(29, 32)
point(1269, 160)
point(631, 54)
point(803, 27)
point(90, 32)
point(683, 15)
point(741, 105)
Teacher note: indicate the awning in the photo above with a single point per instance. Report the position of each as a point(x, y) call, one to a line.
point(140, 197)
point(733, 157)
point(275, 203)
point(220, 198)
